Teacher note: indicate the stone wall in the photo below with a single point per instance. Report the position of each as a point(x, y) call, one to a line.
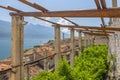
point(114, 45)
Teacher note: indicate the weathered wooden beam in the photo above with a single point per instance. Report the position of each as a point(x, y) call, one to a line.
point(92, 27)
point(36, 6)
point(99, 7)
point(110, 12)
point(44, 10)
point(97, 4)
point(88, 30)
point(103, 4)
point(48, 21)
point(11, 9)
point(72, 47)
point(71, 21)
point(98, 34)
point(17, 48)
point(57, 45)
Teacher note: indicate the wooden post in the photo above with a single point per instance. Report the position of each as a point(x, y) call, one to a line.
point(45, 61)
point(57, 45)
point(17, 48)
point(72, 47)
point(80, 40)
point(28, 75)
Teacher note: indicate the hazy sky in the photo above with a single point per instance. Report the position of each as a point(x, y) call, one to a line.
point(53, 5)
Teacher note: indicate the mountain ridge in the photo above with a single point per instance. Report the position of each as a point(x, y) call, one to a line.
point(30, 31)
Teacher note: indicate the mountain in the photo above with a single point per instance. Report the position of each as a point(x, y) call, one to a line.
point(5, 29)
point(30, 31)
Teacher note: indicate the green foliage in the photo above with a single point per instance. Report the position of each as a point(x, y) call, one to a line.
point(50, 41)
point(91, 64)
point(64, 70)
point(26, 50)
point(37, 46)
point(43, 75)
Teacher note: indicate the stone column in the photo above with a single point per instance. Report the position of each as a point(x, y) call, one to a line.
point(17, 48)
point(92, 40)
point(80, 40)
point(72, 47)
point(88, 40)
point(85, 41)
point(57, 45)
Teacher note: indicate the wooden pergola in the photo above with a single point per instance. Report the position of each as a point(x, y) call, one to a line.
point(18, 29)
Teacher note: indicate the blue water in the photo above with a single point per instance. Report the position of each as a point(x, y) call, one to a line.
point(5, 46)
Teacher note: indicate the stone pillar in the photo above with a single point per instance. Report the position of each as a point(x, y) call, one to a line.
point(72, 47)
point(80, 40)
point(92, 40)
point(17, 48)
point(57, 45)
point(88, 40)
point(114, 3)
point(114, 21)
point(85, 44)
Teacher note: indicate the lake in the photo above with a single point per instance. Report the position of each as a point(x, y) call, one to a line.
point(5, 45)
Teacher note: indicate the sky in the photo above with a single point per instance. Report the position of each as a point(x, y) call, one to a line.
point(55, 5)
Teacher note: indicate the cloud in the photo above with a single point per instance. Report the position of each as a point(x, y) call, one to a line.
point(47, 18)
point(64, 22)
point(36, 21)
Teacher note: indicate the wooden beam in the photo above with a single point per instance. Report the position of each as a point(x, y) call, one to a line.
point(44, 10)
point(110, 12)
point(94, 30)
point(98, 34)
point(97, 4)
point(36, 6)
point(48, 21)
point(11, 8)
point(99, 7)
point(103, 4)
point(70, 21)
point(92, 27)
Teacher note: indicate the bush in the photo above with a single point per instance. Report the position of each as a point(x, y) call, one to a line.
point(37, 46)
point(91, 64)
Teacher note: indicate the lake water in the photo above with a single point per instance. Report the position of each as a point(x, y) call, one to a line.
point(5, 46)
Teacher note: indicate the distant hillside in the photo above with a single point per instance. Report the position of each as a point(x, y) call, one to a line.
point(5, 29)
point(30, 31)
